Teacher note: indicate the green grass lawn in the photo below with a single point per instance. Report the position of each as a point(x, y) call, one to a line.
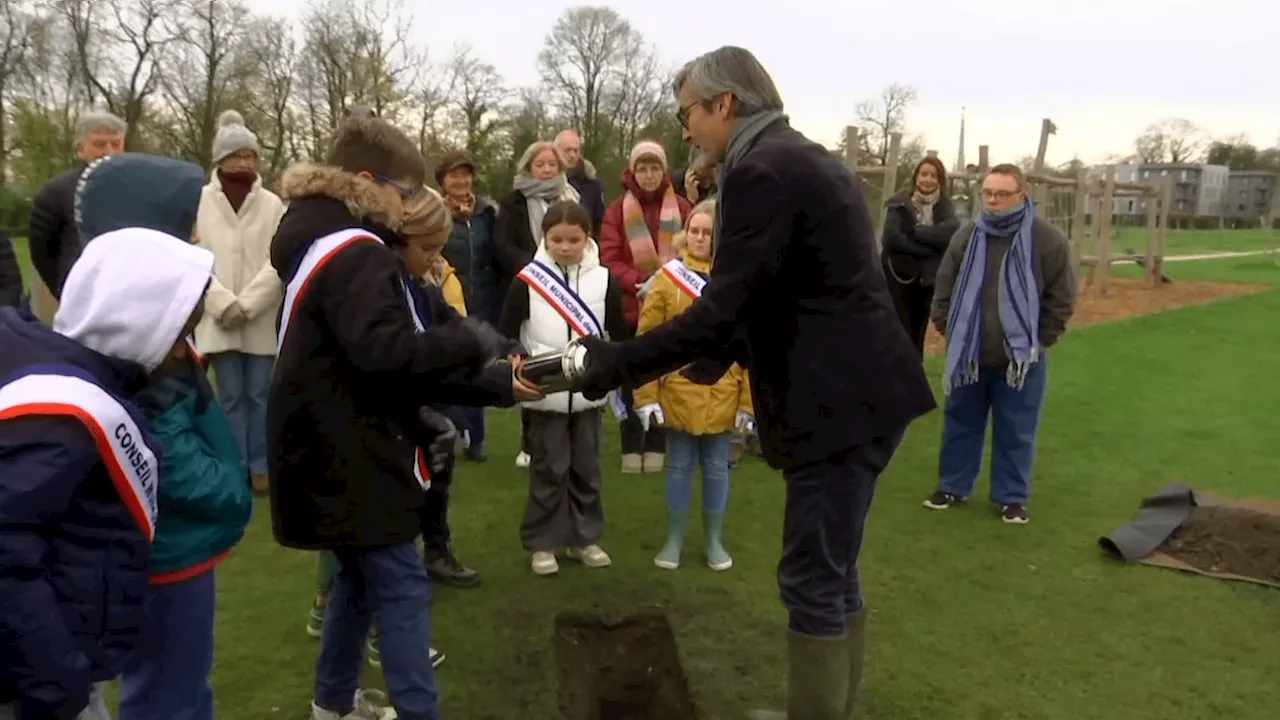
point(972, 619)
point(1197, 242)
point(24, 256)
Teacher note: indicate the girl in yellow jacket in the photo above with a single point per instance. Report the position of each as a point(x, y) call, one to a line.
point(699, 419)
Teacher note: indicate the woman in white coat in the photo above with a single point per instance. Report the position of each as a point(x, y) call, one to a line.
point(237, 219)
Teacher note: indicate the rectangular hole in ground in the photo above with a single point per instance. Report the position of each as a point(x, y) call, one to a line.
point(624, 670)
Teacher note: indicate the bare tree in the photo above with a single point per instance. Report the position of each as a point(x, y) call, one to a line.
point(267, 61)
point(119, 46)
point(1172, 140)
point(638, 94)
point(15, 50)
point(579, 65)
point(878, 119)
point(207, 34)
point(387, 60)
point(477, 93)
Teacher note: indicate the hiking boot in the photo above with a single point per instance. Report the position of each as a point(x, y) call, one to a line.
point(669, 557)
point(448, 570)
point(315, 619)
point(523, 460)
point(653, 462)
point(1015, 514)
point(817, 679)
point(591, 556)
point(941, 500)
point(717, 557)
point(367, 705)
point(545, 563)
point(632, 463)
point(476, 453)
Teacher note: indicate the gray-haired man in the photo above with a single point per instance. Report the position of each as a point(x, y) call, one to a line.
point(835, 378)
point(52, 234)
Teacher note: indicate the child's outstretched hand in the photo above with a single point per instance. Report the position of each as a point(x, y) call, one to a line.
point(521, 387)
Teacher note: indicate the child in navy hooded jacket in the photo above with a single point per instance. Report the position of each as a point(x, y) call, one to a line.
point(78, 468)
point(204, 498)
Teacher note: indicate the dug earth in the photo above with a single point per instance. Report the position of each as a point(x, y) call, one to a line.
point(1231, 541)
point(624, 670)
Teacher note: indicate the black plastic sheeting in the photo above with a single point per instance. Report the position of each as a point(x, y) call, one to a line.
point(1156, 520)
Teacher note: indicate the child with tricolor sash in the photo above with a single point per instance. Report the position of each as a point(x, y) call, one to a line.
point(564, 293)
point(79, 470)
point(699, 419)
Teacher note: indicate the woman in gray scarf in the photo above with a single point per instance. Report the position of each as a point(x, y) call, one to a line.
point(540, 181)
point(917, 230)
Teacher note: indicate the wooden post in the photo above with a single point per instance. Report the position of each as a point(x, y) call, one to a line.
point(1046, 129)
point(1078, 229)
point(1040, 196)
point(890, 181)
point(1106, 209)
point(1166, 203)
point(851, 147)
point(984, 165)
point(1152, 200)
point(931, 153)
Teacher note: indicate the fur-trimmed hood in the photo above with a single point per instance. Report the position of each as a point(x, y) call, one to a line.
point(361, 196)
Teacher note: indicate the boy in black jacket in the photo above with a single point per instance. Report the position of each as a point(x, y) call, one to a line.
point(343, 414)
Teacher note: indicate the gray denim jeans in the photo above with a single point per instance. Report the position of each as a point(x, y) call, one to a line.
point(97, 709)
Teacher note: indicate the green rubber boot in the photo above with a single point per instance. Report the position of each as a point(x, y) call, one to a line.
point(817, 679)
point(857, 623)
point(669, 557)
point(717, 557)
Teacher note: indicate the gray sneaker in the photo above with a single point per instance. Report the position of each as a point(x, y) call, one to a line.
point(369, 705)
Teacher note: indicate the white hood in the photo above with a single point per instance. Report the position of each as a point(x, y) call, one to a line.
point(130, 293)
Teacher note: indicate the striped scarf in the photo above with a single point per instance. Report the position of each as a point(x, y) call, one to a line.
point(646, 254)
point(1019, 301)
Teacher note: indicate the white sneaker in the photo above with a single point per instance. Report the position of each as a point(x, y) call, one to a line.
point(369, 705)
point(522, 460)
point(591, 556)
point(545, 563)
point(436, 656)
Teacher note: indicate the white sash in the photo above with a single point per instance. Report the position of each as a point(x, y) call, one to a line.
point(544, 281)
point(313, 260)
point(684, 278)
point(421, 470)
point(130, 463)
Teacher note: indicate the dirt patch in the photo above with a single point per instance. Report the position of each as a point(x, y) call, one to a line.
point(625, 670)
point(1229, 540)
point(1128, 297)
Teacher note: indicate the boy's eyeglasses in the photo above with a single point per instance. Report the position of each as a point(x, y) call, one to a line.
point(406, 193)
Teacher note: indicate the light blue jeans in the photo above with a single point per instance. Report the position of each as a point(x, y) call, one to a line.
point(243, 382)
point(685, 453)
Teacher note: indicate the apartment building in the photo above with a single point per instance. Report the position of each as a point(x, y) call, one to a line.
point(1249, 194)
point(1198, 189)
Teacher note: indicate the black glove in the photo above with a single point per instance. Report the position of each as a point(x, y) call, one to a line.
point(705, 371)
point(435, 435)
point(494, 345)
point(603, 373)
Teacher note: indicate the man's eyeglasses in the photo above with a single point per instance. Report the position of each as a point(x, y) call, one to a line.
point(998, 194)
point(405, 192)
point(683, 114)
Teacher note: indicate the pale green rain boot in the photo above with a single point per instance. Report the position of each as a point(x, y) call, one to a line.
point(669, 557)
point(817, 679)
point(717, 557)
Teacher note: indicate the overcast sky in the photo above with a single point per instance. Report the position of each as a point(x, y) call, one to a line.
point(1101, 69)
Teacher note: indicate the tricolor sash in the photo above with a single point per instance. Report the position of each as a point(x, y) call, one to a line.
point(130, 463)
point(421, 469)
point(553, 288)
point(570, 305)
point(315, 258)
point(687, 280)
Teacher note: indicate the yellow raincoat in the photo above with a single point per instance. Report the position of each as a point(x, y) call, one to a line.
point(446, 278)
point(686, 406)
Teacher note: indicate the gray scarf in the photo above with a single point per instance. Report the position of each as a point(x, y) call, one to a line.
point(745, 132)
point(923, 205)
point(539, 194)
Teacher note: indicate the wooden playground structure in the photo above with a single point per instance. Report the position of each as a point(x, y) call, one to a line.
point(1083, 206)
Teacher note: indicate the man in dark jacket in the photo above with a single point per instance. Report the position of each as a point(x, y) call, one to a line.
point(52, 235)
point(10, 273)
point(356, 364)
point(78, 473)
point(582, 176)
point(834, 376)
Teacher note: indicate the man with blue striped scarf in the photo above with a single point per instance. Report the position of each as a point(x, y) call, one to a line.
point(1004, 294)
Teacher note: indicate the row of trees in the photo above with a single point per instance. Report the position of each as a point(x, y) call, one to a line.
point(169, 67)
point(1178, 140)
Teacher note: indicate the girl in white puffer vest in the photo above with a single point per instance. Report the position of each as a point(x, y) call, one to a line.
point(564, 293)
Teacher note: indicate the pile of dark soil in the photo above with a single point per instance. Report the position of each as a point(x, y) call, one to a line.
point(626, 670)
point(1229, 541)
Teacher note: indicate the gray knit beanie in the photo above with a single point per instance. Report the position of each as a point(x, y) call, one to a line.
point(232, 137)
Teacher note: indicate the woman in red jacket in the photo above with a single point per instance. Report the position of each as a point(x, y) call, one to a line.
point(635, 240)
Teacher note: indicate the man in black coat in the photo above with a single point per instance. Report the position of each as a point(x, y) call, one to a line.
point(582, 176)
point(52, 235)
point(836, 380)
